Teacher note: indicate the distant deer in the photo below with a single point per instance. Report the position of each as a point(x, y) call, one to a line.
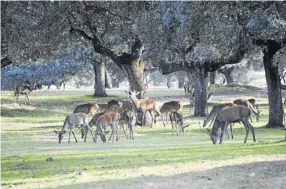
point(177, 122)
point(25, 89)
point(126, 116)
point(107, 119)
point(90, 108)
point(74, 120)
point(250, 103)
point(230, 115)
point(145, 105)
point(171, 106)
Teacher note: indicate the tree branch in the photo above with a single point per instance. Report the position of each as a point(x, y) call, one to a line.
point(5, 62)
point(81, 33)
point(136, 49)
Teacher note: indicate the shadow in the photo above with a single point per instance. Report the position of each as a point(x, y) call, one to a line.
point(251, 175)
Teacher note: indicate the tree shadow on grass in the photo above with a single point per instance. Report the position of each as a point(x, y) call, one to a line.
point(250, 175)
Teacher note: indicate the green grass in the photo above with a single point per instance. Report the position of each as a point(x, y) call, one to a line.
point(27, 139)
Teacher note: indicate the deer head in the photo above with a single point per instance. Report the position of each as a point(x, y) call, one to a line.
point(60, 135)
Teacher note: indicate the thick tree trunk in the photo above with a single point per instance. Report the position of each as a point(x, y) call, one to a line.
point(135, 75)
point(276, 112)
point(200, 93)
point(99, 79)
point(212, 77)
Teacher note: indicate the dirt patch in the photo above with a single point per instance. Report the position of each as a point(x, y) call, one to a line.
point(248, 172)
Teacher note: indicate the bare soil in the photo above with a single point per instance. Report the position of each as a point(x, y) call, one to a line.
point(252, 172)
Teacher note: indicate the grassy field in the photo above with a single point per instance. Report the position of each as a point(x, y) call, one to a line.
point(154, 157)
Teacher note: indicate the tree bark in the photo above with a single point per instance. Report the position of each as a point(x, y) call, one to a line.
point(108, 83)
point(168, 82)
point(200, 93)
point(227, 73)
point(276, 112)
point(99, 79)
point(212, 77)
point(135, 76)
point(115, 82)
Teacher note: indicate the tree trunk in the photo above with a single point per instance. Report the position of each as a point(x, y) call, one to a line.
point(200, 93)
point(99, 79)
point(276, 112)
point(168, 83)
point(212, 77)
point(108, 83)
point(135, 76)
point(115, 82)
point(227, 73)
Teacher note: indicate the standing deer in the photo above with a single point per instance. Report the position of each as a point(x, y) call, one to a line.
point(107, 119)
point(177, 122)
point(250, 103)
point(25, 89)
point(230, 115)
point(168, 107)
point(74, 120)
point(126, 116)
point(145, 105)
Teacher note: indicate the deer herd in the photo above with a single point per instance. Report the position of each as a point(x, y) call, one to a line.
point(120, 114)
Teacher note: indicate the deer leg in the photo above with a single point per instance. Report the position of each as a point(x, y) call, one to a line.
point(89, 129)
point(230, 128)
point(116, 130)
point(247, 130)
point(222, 132)
point(252, 130)
point(74, 137)
point(124, 130)
point(96, 134)
point(170, 116)
point(70, 134)
point(152, 118)
point(28, 99)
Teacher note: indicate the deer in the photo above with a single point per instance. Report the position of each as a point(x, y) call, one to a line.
point(89, 108)
point(74, 120)
point(145, 105)
point(91, 123)
point(105, 107)
point(250, 103)
point(126, 116)
point(171, 106)
point(25, 89)
point(177, 122)
point(107, 119)
point(230, 115)
point(215, 110)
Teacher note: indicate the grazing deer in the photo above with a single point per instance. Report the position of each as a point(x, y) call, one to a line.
point(89, 108)
point(230, 115)
point(250, 103)
point(126, 116)
point(145, 105)
point(25, 89)
point(107, 119)
point(74, 120)
point(114, 103)
point(177, 121)
point(168, 107)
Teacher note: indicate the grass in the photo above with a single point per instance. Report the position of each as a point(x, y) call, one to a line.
point(27, 140)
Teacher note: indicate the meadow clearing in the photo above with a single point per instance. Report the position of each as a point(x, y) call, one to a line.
point(31, 156)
